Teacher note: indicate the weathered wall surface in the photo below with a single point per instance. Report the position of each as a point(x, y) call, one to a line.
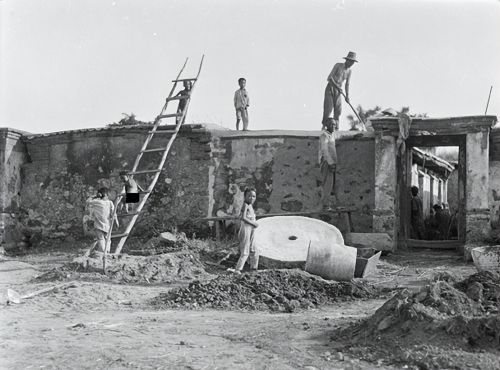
point(285, 172)
point(494, 181)
point(65, 169)
point(384, 218)
point(477, 186)
point(206, 173)
point(12, 157)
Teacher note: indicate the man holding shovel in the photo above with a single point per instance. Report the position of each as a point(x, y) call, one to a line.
point(340, 73)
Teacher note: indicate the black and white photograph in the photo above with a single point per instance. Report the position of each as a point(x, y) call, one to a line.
point(267, 184)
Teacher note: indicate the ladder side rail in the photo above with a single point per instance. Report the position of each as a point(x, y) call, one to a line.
point(184, 111)
point(157, 121)
point(144, 146)
point(162, 162)
point(150, 189)
point(115, 210)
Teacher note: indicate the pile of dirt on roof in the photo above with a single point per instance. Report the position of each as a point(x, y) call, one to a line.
point(274, 290)
point(161, 268)
point(445, 325)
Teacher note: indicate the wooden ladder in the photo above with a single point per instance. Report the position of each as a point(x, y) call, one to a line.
point(179, 117)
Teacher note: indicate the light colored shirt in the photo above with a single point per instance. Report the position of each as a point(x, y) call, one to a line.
point(241, 99)
point(101, 212)
point(131, 186)
point(247, 212)
point(327, 149)
point(339, 74)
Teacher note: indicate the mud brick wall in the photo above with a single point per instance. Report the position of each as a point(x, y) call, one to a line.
point(284, 169)
point(12, 157)
point(205, 175)
point(494, 180)
point(65, 169)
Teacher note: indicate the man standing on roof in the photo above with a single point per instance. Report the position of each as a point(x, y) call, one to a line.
point(340, 73)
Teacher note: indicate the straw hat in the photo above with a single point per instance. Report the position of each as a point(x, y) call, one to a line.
point(351, 56)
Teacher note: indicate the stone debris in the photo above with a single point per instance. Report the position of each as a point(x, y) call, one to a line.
point(161, 268)
point(273, 290)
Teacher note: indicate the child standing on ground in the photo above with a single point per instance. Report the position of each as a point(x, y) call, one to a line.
point(101, 211)
point(246, 233)
point(241, 104)
point(131, 190)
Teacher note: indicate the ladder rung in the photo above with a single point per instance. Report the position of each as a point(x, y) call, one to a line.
point(153, 150)
point(144, 192)
point(180, 97)
point(184, 79)
point(161, 116)
point(145, 171)
point(127, 214)
point(119, 235)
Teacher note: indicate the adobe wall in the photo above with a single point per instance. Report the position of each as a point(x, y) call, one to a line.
point(12, 157)
point(206, 172)
point(50, 176)
point(283, 167)
point(494, 180)
point(66, 168)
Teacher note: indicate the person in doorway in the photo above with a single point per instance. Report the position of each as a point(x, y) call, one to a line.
point(340, 73)
point(327, 157)
point(442, 219)
point(417, 215)
point(101, 211)
point(241, 104)
point(131, 190)
point(248, 224)
point(184, 94)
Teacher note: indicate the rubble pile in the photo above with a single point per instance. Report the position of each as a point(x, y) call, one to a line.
point(467, 311)
point(161, 268)
point(274, 290)
point(165, 243)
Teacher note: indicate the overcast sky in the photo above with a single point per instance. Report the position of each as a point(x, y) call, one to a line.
point(70, 64)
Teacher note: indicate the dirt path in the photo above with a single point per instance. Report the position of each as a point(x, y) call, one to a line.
point(105, 326)
point(102, 325)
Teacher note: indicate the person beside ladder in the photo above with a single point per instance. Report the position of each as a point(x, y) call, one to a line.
point(183, 101)
point(131, 190)
point(340, 73)
point(327, 157)
point(101, 211)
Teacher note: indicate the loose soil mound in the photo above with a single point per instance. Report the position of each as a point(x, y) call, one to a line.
point(164, 243)
point(162, 268)
point(424, 328)
point(274, 290)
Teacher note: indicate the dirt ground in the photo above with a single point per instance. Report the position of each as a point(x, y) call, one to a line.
point(95, 322)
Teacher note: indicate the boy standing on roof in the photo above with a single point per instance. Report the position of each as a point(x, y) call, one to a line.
point(332, 102)
point(241, 104)
point(131, 190)
point(183, 102)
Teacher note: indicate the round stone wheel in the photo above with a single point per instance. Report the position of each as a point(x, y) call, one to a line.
point(287, 238)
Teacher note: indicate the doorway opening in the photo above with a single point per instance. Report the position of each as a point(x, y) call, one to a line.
point(432, 200)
